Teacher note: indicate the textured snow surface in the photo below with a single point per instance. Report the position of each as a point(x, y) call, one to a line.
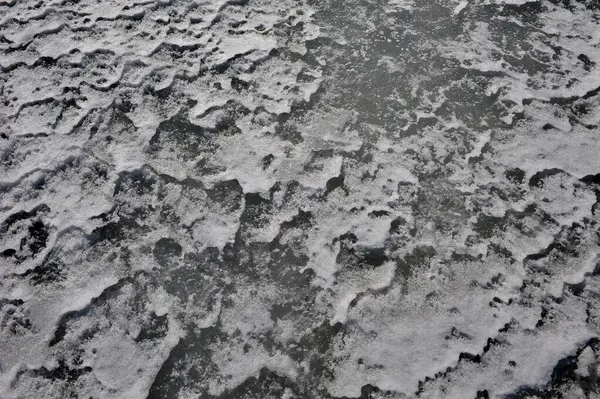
point(299, 199)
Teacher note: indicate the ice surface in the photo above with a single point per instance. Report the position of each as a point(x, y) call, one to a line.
point(299, 199)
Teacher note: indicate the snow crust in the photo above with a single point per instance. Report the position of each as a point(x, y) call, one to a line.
point(293, 199)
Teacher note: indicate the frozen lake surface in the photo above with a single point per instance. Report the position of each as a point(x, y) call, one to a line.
point(299, 199)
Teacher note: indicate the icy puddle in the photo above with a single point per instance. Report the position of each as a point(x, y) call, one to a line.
point(299, 199)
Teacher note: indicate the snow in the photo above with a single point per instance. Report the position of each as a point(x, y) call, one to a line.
point(283, 199)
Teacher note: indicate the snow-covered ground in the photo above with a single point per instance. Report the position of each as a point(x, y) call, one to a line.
point(299, 199)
